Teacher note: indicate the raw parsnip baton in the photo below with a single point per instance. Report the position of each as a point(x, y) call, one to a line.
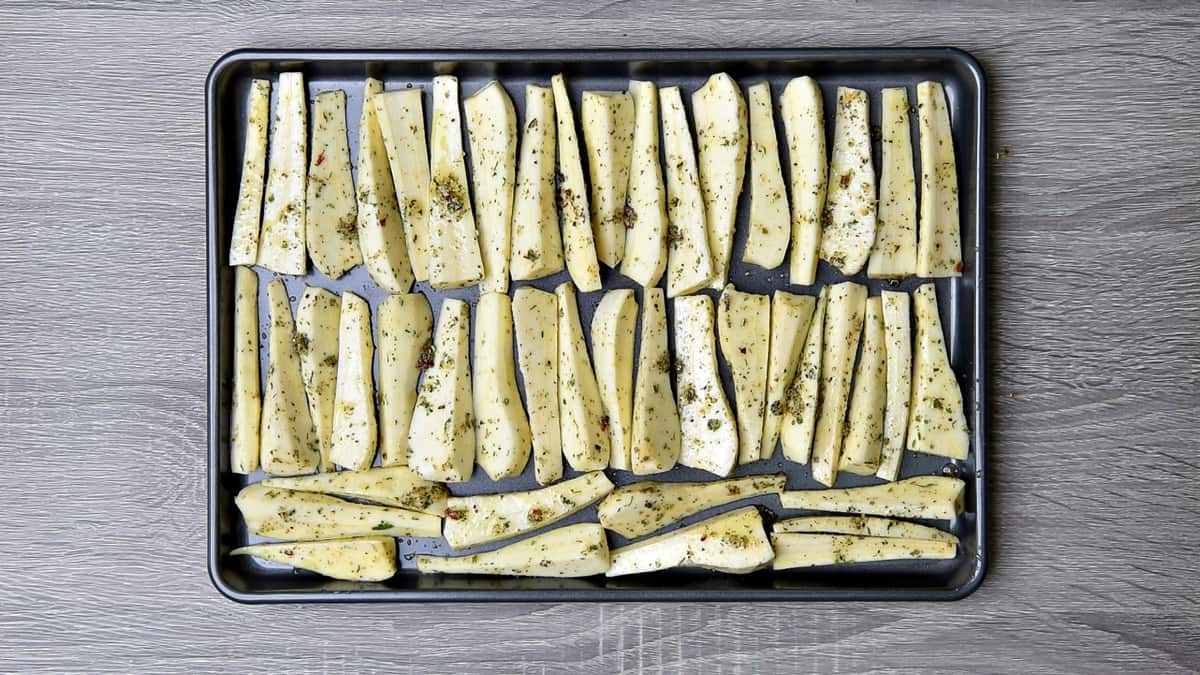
point(803, 394)
point(354, 436)
point(895, 253)
point(689, 263)
point(480, 519)
point(579, 550)
point(937, 425)
point(454, 258)
point(246, 406)
point(397, 486)
point(734, 543)
point(939, 250)
point(405, 327)
point(401, 120)
point(770, 220)
point(794, 550)
point(535, 315)
point(247, 219)
point(352, 559)
point(613, 325)
point(492, 130)
point(843, 327)
point(898, 350)
point(869, 526)
point(502, 437)
point(608, 134)
point(804, 125)
point(709, 438)
point(281, 245)
point(641, 508)
point(381, 228)
point(744, 330)
point(721, 137)
point(536, 241)
point(934, 497)
point(288, 443)
point(864, 427)
point(317, 318)
point(583, 430)
point(654, 444)
point(790, 317)
point(646, 214)
point(287, 514)
point(441, 439)
point(331, 227)
point(579, 247)
point(849, 224)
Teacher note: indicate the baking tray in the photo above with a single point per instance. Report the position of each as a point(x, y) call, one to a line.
point(961, 303)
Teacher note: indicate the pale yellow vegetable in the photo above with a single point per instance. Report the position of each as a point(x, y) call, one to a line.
point(934, 497)
point(607, 118)
point(803, 394)
point(709, 438)
point(288, 443)
point(502, 437)
point(864, 427)
point(354, 436)
point(454, 258)
point(492, 130)
point(744, 330)
point(641, 508)
point(331, 221)
point(843, 327)
point(318, 316)
point(585, 441)
point(733, 542)
point(246, 406)
point(480, 519)
point(849, 229)
point(287, 514)
point(898, 350)
point(579, 247)
point(613, 326)
point(281, 246)
point(352, 559)
point(870, 526)
point(937, 425)
point(895, 253)
point(405, 326)
point(770, 220)
point(646, 240)
point(722, 137)
point(401, 119)
point(689, 263)
point(397, 486)
point(804, 124)
point(793, 550)
point(441, 439)
point(536, 241)
point(579, 550)
point(535, 314)
point(791, 316)
point(247, 219)
point(381, 227)
point(939, 250)
point(654, 440)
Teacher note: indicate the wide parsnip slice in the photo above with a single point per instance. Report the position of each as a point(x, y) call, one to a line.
point(397, 486)
point(353, 441)
point(709, 438)
point(405, 327)
point(646, 214)
point(579, 246)
point(502, 437)
point(733, 542)
point(654, 440)
point(864, 427)
point(247, 219)
point(895, 253)
point(607, 118)
point(935, 497)
point(804, 392)
point(281, 247)
point(843, 327)
point(318, 315)
point(536, 242)
point(641, 508)
point(770, 220)
point(288, 514)
point(898, 351)
point(939, 250)
point(937, 425)
point(288, 443)
point(401, 119)
point(492, 130)
point(689, 263)
point(441, 439)
point(722, 136)
point(381, 228)
point(246, 408)
point(794, 550)
point(480, 519)
point(790, 317)
point(744, 330)
point(454, 258)
point(584, 432)
point(804, 125)
point(613, 325)
point(579, 550)
point(849, 227)
point(868, 526)
point(353, 559)
point(331, 228)
point(535, 314)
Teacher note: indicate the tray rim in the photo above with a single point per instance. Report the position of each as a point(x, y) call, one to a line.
point(230, 60)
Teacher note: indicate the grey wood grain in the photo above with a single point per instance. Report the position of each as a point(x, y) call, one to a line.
point(1095, 335)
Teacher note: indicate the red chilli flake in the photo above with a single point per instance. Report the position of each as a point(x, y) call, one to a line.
point(320, 159)
point(453, 514)
point(288, 552)
point(425, 360)
point(604, 423)
point(383, 221)
point(958, 267)
point(704, 537)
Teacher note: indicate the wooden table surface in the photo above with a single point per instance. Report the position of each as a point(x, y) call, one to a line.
point(1095, 336)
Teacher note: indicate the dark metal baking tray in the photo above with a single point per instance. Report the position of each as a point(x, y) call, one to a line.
point(962, 308)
